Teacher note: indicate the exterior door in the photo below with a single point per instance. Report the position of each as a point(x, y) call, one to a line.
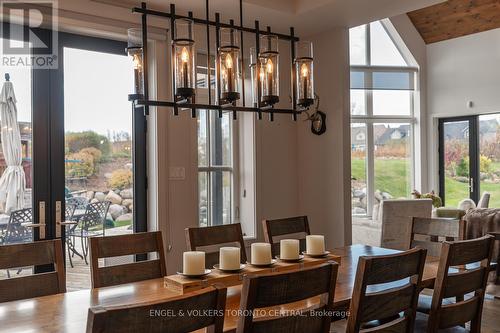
point(458, 160)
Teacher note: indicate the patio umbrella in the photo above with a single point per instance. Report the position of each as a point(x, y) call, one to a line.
point(12, 182)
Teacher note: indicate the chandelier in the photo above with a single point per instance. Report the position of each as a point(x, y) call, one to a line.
point(229, 66)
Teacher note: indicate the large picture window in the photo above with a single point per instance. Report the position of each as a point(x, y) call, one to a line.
point(382, 118)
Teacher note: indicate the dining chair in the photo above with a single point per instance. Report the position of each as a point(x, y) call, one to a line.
point(17, 230)
point(206, 305)
point(429, 233)
point(211, 239)
point(292, 227)
point(385, 292)
point(32, 254)
point(125, 245)
point(276, 291)
point(459, 274)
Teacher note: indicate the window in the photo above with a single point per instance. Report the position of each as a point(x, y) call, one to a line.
point(216, 163)
point(382, 118)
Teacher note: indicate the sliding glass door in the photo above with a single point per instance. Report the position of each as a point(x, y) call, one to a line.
point(469, 158)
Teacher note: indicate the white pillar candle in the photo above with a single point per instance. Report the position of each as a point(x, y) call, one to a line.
point(229, 258)
point(289, 249)
point(261, 253)
point(193, 263)
point(315, 244)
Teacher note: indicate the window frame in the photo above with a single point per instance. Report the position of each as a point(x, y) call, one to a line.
point(202, 94)
point(369, 119)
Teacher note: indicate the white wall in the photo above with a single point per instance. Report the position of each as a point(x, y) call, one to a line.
point(324, 161)
point(461, 70)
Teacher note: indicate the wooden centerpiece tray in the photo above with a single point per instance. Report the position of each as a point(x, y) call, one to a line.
point(182, 284)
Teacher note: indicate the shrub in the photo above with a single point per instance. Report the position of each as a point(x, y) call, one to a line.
point(83, 166)
point(96, 153)
point(76, 141)
point(463, 168)
point(120, 179)
point(484, 164)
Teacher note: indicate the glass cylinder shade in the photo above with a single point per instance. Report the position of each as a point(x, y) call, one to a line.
point(184, 58)
point(304, 73)
point(229, 60)
point(253, 73)
point(134, 51)
point(269, 69)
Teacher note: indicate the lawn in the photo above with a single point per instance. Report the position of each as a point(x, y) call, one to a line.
point(391, 176)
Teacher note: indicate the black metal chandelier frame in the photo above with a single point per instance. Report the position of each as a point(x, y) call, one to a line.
point(184, 104)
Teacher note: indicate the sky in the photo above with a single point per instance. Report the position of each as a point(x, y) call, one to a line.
point(96, 86)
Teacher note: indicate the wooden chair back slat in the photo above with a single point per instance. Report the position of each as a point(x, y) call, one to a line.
point(113, 246)
point(129, 244)
point(389, 271)
point(468, 252)
point(164, 316)
point(458, 313)
point(288, 288)
point(263, 291)
point(273, 229)
point(449, 284)
point(26, 254)
point(32, 254)
point(212, 238)
point(393, 267)
point(137, 271)
point(433, 229)
point(462, 283)
point(436, 227)
point(396, 299)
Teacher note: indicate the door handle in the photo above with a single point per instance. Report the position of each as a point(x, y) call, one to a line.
point(471, 185)
point(41, 222)
point(58, 219)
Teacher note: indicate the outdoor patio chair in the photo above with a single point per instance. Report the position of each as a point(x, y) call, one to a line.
point(89, 224)
point(78, 202)
point(17, 231)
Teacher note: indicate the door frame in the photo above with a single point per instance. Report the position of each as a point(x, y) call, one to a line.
point(139, 125)
point(473, 155)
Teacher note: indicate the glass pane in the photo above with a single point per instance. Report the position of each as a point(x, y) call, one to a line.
point(98, 151)
point(456, 162)
point(489, 163)
point(220, 140)
point(202, 138)
point(358, 102)
point(220, 197)
point(16, 161)
point(203, 198)
point(357, 45)
point(358, 169)
point(392, 102)
point(383, 51)
point(393, 164)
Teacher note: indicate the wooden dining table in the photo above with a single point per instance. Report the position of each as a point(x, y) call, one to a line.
point(68, 312)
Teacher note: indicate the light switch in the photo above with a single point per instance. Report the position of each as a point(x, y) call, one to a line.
point(177, 173)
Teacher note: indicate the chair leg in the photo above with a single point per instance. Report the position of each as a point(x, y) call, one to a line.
point(83, 251)
point(69, 254)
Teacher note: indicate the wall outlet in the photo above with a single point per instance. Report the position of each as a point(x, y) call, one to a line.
point(177, 173)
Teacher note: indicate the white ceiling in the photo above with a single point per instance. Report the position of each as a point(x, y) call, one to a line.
point(308, 16)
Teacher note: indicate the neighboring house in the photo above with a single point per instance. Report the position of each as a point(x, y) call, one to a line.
point(392, 134)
